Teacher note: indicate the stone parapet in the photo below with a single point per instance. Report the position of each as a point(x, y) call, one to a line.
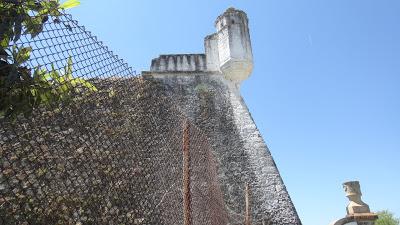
point(179, 62)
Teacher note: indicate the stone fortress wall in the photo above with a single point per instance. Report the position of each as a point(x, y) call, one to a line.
point(106, 160)
point(206, 88)
point(115, 156)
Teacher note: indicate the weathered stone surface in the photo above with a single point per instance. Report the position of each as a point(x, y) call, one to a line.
point(114, 157)
point(215, 105)
point(235, 57)
point(211, 98)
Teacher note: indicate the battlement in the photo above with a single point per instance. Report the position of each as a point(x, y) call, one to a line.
point(227, 52)
point(179, 62)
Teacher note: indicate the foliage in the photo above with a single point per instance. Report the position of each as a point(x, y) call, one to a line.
point(42, 88)
point(387, 218)
point(27, 16)
point(23, 88)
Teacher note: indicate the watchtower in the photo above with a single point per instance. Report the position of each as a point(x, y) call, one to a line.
point(229, 49)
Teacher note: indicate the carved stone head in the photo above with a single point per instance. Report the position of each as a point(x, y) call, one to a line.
point(352, 188)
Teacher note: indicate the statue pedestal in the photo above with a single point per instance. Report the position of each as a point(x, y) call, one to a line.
point(357, 219)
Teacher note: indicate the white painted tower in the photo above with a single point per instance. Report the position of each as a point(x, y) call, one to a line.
point(229, 50)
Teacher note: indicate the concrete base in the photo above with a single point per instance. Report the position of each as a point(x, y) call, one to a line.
point(357, 219)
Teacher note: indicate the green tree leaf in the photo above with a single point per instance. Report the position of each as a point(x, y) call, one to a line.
point(86, 84)
point(4, 42)
point(69, 4)
point(68, 69)
point(23, 55)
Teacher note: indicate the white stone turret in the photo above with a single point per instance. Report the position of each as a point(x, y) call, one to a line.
point(227, 52)
point(234, 46)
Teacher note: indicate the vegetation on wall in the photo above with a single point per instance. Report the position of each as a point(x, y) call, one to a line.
point(23, 88)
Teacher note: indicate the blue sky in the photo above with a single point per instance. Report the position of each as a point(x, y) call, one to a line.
point(325, 91)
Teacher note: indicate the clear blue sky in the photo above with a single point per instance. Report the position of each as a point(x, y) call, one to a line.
point(325, 91)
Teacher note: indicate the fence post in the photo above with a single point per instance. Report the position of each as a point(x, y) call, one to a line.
point(247, 218)
point(187, 217)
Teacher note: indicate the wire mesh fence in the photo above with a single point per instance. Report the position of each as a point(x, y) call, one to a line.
point(109, 152)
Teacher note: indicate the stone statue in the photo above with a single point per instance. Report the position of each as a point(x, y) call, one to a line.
point(353, 192)
point(358, 213)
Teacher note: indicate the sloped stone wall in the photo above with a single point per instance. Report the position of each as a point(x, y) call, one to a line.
point(218, 109)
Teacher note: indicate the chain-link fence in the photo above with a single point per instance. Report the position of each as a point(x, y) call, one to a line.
point(109, 151)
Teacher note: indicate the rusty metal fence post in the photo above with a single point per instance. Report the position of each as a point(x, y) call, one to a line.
point(187, 213)
point(247, 220)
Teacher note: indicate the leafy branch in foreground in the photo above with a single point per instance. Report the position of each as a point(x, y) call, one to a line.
point(42, 88)
point(23, 88)
point(28, 17)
